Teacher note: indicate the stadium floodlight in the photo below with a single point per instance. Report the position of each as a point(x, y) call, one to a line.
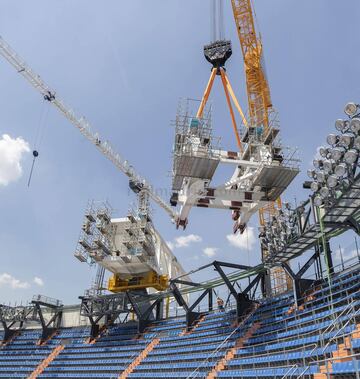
point(314, 186)
point(318, 201)
point(346, 140)
point(332, 139)
point(340, 170)
point(311, 173)
point(317, 163)
point(328, 166)
point(337, 153)
point(332, 181)
point(351, 156)
point(355, 125)
point(320, 177)
point(324, 192)
point(351, 109)
point(357, 143)
point(341, 125)
point(324, 151)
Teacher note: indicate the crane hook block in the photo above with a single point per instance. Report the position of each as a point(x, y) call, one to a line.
point(217, 53)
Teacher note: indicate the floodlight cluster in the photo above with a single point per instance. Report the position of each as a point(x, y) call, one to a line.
point(336, 169)
point(281, 229)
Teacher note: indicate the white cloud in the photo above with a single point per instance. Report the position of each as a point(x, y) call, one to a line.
point(184, 241)
point(38, 281)
point(7, 280)
point(210, 251)
point(11, 152)
point(243, 241)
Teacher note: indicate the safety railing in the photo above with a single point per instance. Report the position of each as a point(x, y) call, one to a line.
point(290, 371)
point(195, 373)
point(342, 328)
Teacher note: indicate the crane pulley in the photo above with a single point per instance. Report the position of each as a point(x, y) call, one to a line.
point(137, 183)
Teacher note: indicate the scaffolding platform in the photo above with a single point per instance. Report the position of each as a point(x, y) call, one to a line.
point(193, 166)
point(274, 179)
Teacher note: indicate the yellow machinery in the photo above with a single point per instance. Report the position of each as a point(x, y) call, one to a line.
point(260, 105)
point(151, 279)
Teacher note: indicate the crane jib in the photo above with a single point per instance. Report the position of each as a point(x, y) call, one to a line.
point(80, 123)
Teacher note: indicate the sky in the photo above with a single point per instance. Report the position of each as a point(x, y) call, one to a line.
point(125, 65)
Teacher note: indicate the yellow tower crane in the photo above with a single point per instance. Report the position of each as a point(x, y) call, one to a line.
point(259, 102)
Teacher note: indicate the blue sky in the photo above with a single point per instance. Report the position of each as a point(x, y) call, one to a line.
point(125, 64)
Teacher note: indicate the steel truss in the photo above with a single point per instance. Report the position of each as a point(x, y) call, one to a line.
point(108, 308)
point(97, 307)
point(14, 318)
point(243, 299)
point(315, 223)
point(53, 324)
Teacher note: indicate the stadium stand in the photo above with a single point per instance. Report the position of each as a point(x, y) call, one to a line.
point(320, 339)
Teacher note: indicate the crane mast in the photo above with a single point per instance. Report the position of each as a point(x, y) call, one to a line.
point(260, 106)
point(137, 183)
point(258, 91)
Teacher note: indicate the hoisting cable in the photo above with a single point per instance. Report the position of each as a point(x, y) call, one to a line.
point(221, 21)
point(40, 133)
point(35, 155)
point(217, 20)
point(213, 20)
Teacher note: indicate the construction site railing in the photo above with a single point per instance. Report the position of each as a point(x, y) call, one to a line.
point(241, 324)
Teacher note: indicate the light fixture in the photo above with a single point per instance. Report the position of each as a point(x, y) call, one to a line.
point(324, 151)
point(311, 173)
point(340, 170)
point(357, 142)
point(340, 125)
point(320, 177)
point(350, 109)
point(332, 181)
point(317, 163)
point(324, 192)
point(332, 139)
point(346, 140)
point(328, 166)
point(351, 156)
point(314, 186)
point(336, 153)
point(318, 201)
point(355, 125)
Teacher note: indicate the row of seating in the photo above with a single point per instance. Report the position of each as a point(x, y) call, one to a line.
point(283, 344)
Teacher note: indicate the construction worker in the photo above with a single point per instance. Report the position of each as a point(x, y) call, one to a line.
point(220, 303)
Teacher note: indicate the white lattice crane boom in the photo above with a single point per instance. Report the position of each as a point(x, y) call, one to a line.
point(139, 183)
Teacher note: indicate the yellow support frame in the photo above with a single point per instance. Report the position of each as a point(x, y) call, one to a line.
point(150, 280)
